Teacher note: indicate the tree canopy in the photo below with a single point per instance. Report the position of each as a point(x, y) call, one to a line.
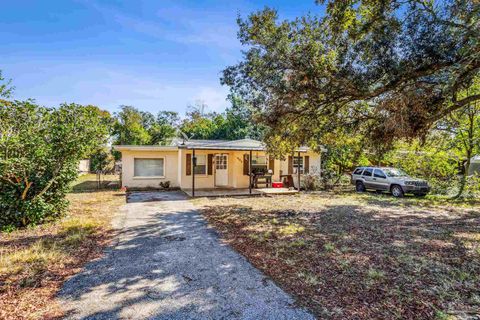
point(390, 68)
point(40, 149)
point(237, 122)
point(136, 127)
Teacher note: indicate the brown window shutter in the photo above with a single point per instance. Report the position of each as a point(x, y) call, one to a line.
point(245, 165)
point(306, 164)
point(189, 164)
point(210, 164)
point(271, 164)
point(290, 165)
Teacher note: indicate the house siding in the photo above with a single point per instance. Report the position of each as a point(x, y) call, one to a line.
point(170, 169)
point(176, 173)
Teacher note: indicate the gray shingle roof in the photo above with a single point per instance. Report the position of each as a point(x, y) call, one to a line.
point(243, 144)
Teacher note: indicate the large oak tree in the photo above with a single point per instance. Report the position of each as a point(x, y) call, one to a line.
point(391, 68)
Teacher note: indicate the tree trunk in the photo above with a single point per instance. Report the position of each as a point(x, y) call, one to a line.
point(463, 181)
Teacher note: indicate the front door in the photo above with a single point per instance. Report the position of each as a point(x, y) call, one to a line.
point(221, 170)
point(380, 180)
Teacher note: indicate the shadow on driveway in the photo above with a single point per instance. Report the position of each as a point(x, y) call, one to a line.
point(167, 264)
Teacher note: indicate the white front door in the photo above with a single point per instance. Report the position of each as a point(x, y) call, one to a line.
point(221, 170)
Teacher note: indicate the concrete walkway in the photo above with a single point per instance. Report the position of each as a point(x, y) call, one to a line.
point(167, 264)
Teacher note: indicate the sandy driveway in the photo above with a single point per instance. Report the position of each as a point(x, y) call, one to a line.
point(167, 264)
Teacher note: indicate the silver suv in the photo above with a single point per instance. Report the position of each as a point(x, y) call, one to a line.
point(388, 179)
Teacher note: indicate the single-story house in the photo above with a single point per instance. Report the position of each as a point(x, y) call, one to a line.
point(209, 164)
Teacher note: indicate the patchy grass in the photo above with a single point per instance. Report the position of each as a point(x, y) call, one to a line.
point(89, 183)
point(34, 262)
point(360, 256)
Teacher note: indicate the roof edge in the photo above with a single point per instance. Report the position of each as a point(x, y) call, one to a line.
point(144, 148)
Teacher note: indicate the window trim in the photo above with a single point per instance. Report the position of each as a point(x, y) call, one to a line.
point(150, 158)
point(295, 167)
point(206, 166)
point(263, 166)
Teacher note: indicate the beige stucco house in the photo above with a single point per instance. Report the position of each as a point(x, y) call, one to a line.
point(209, 164)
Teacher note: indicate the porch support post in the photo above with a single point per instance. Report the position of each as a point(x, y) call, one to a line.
point(298, 170)
point(194, 162)
point(250, 173)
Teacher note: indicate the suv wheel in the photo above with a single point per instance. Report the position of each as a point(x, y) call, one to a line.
point(360, 187)
point(397, 191)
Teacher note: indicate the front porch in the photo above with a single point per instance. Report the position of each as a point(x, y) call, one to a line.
point(226, 192)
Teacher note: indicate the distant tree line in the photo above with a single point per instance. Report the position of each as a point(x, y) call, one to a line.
point(135, 127)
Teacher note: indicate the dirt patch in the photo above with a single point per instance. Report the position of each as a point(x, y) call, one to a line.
point(35, 262)
point(350, 256)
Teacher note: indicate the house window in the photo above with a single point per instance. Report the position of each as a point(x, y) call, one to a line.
point(297, 164)
point(201, 164)
point(259, 164)
point(149, 167)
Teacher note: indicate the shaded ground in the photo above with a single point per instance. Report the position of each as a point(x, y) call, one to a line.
point(360, 256)
point(91, 183)
point(34, 262)
point(167, 264)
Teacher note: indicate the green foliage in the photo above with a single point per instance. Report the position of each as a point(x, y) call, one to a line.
point(392, 68)
point(431, 161)
point(102, 160)
point(6, 89)
point(463, 126)
point(130, 127)
point(40, 149)
point(135, 127)
point(238, 122)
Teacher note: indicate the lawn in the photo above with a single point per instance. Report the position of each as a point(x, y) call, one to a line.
point(360, 256)
point(34, 262)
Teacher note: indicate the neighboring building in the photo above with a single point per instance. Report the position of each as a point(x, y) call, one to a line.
point(219, 164)
point(474, 165)
point(84, 166)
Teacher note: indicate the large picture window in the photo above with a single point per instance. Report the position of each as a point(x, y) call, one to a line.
point(259, 164)
point(149, 167)
point(201, 166)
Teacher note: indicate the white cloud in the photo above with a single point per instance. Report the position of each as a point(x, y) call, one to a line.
point(180, 24)
point(213, 97)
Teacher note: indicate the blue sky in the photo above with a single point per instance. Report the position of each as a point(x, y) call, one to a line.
point(155, 55)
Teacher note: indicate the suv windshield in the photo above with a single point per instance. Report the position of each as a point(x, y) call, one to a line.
point(395, 173)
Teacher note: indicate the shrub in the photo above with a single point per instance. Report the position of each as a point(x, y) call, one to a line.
point(431, 162)
point(472, 186)
point(311, 182)
point(40, 149)
point(102, 160)
point(165, 184)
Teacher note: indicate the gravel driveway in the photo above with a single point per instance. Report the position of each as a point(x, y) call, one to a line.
point(168, 264)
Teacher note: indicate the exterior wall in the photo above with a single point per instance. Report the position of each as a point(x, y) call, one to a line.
point(175, 169)
point(170, 169)
point(84, 166)
point(239, 180)
point(201, 181)
point(314, 163)
point(236, 178)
